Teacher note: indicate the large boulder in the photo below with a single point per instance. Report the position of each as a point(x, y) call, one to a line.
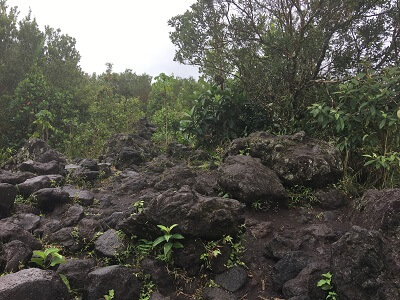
point(118, 278)
point(197, 216)
point(33, 284)
point(360, 267)
point(246, 179)
point(296, 159)
point(379, 210)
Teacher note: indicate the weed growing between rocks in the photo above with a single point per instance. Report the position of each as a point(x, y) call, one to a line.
point(301, 196)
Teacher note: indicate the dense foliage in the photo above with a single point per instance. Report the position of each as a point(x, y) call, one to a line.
point(327, 67)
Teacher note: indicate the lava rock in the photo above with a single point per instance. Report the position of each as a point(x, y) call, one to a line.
point(26, 221)
point(84, 197)
point(288, 268)
point(330, 198)
point(42, 168)
point(359, 266)
point(118, 278)
point(213, 293)
point(379, 210)
point(33, 284)
point(198, 216)
point(188, 257)
point(76, 271)
point(14, 177)
point(109, 244)
point(296, 159)
point(34, 184)
point(48, 198)
point(159, 275)
point(175, 177)
point(248, 180)
point(15, 254)
point(10, 232)
point(8, 193)
point(73, 215)
point(233, 279)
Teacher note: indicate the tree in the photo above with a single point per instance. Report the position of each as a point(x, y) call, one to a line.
point(280, 49)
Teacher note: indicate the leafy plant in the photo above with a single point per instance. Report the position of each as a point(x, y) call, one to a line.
point(168, 241)
point(147, 288)
point(211, 251)
point(47, 258)
point(388, 165)
point(326, 284)
point(5, 155)
point(109, 296)
point(361, 116)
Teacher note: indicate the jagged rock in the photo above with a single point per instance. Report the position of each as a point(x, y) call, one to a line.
point(11, 232)
point(113, 220)
point(248, 180)
point(84, 197)
point(330, 198)
point(33, 284)
point(304, 285)
point(67, 237)
point(159, 275)
point(15, 254)
point(233, 279)
point(109, 244)
point(8, 192)
point(121, 279)
point(127, 150)
point(281, 245)
point(14, 177)
point(36, 150)
point(197, 216)
point(76, 271)
point(214, 293)
point(296, 159)
point(73, 215)
point(206, 183)
point(89, 164)
point(175, 177)
point(379, 209)
point(26, 221)
point(360, 268)
point(42, 168)
point(288, 268)
point(188, 257)
point(132, 182)
point(48, 198)
point(34, 184)
point(160, 163)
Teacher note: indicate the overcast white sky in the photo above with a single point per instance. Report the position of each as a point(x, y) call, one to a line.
point(131, 34)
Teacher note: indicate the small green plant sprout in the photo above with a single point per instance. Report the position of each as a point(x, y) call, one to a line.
point(47, 258)
point(168, 239)
point(139, 206)
point(109, 296)
point(326, 284)
point(212, 250)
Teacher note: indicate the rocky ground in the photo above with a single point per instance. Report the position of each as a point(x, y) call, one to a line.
point(263, 223)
